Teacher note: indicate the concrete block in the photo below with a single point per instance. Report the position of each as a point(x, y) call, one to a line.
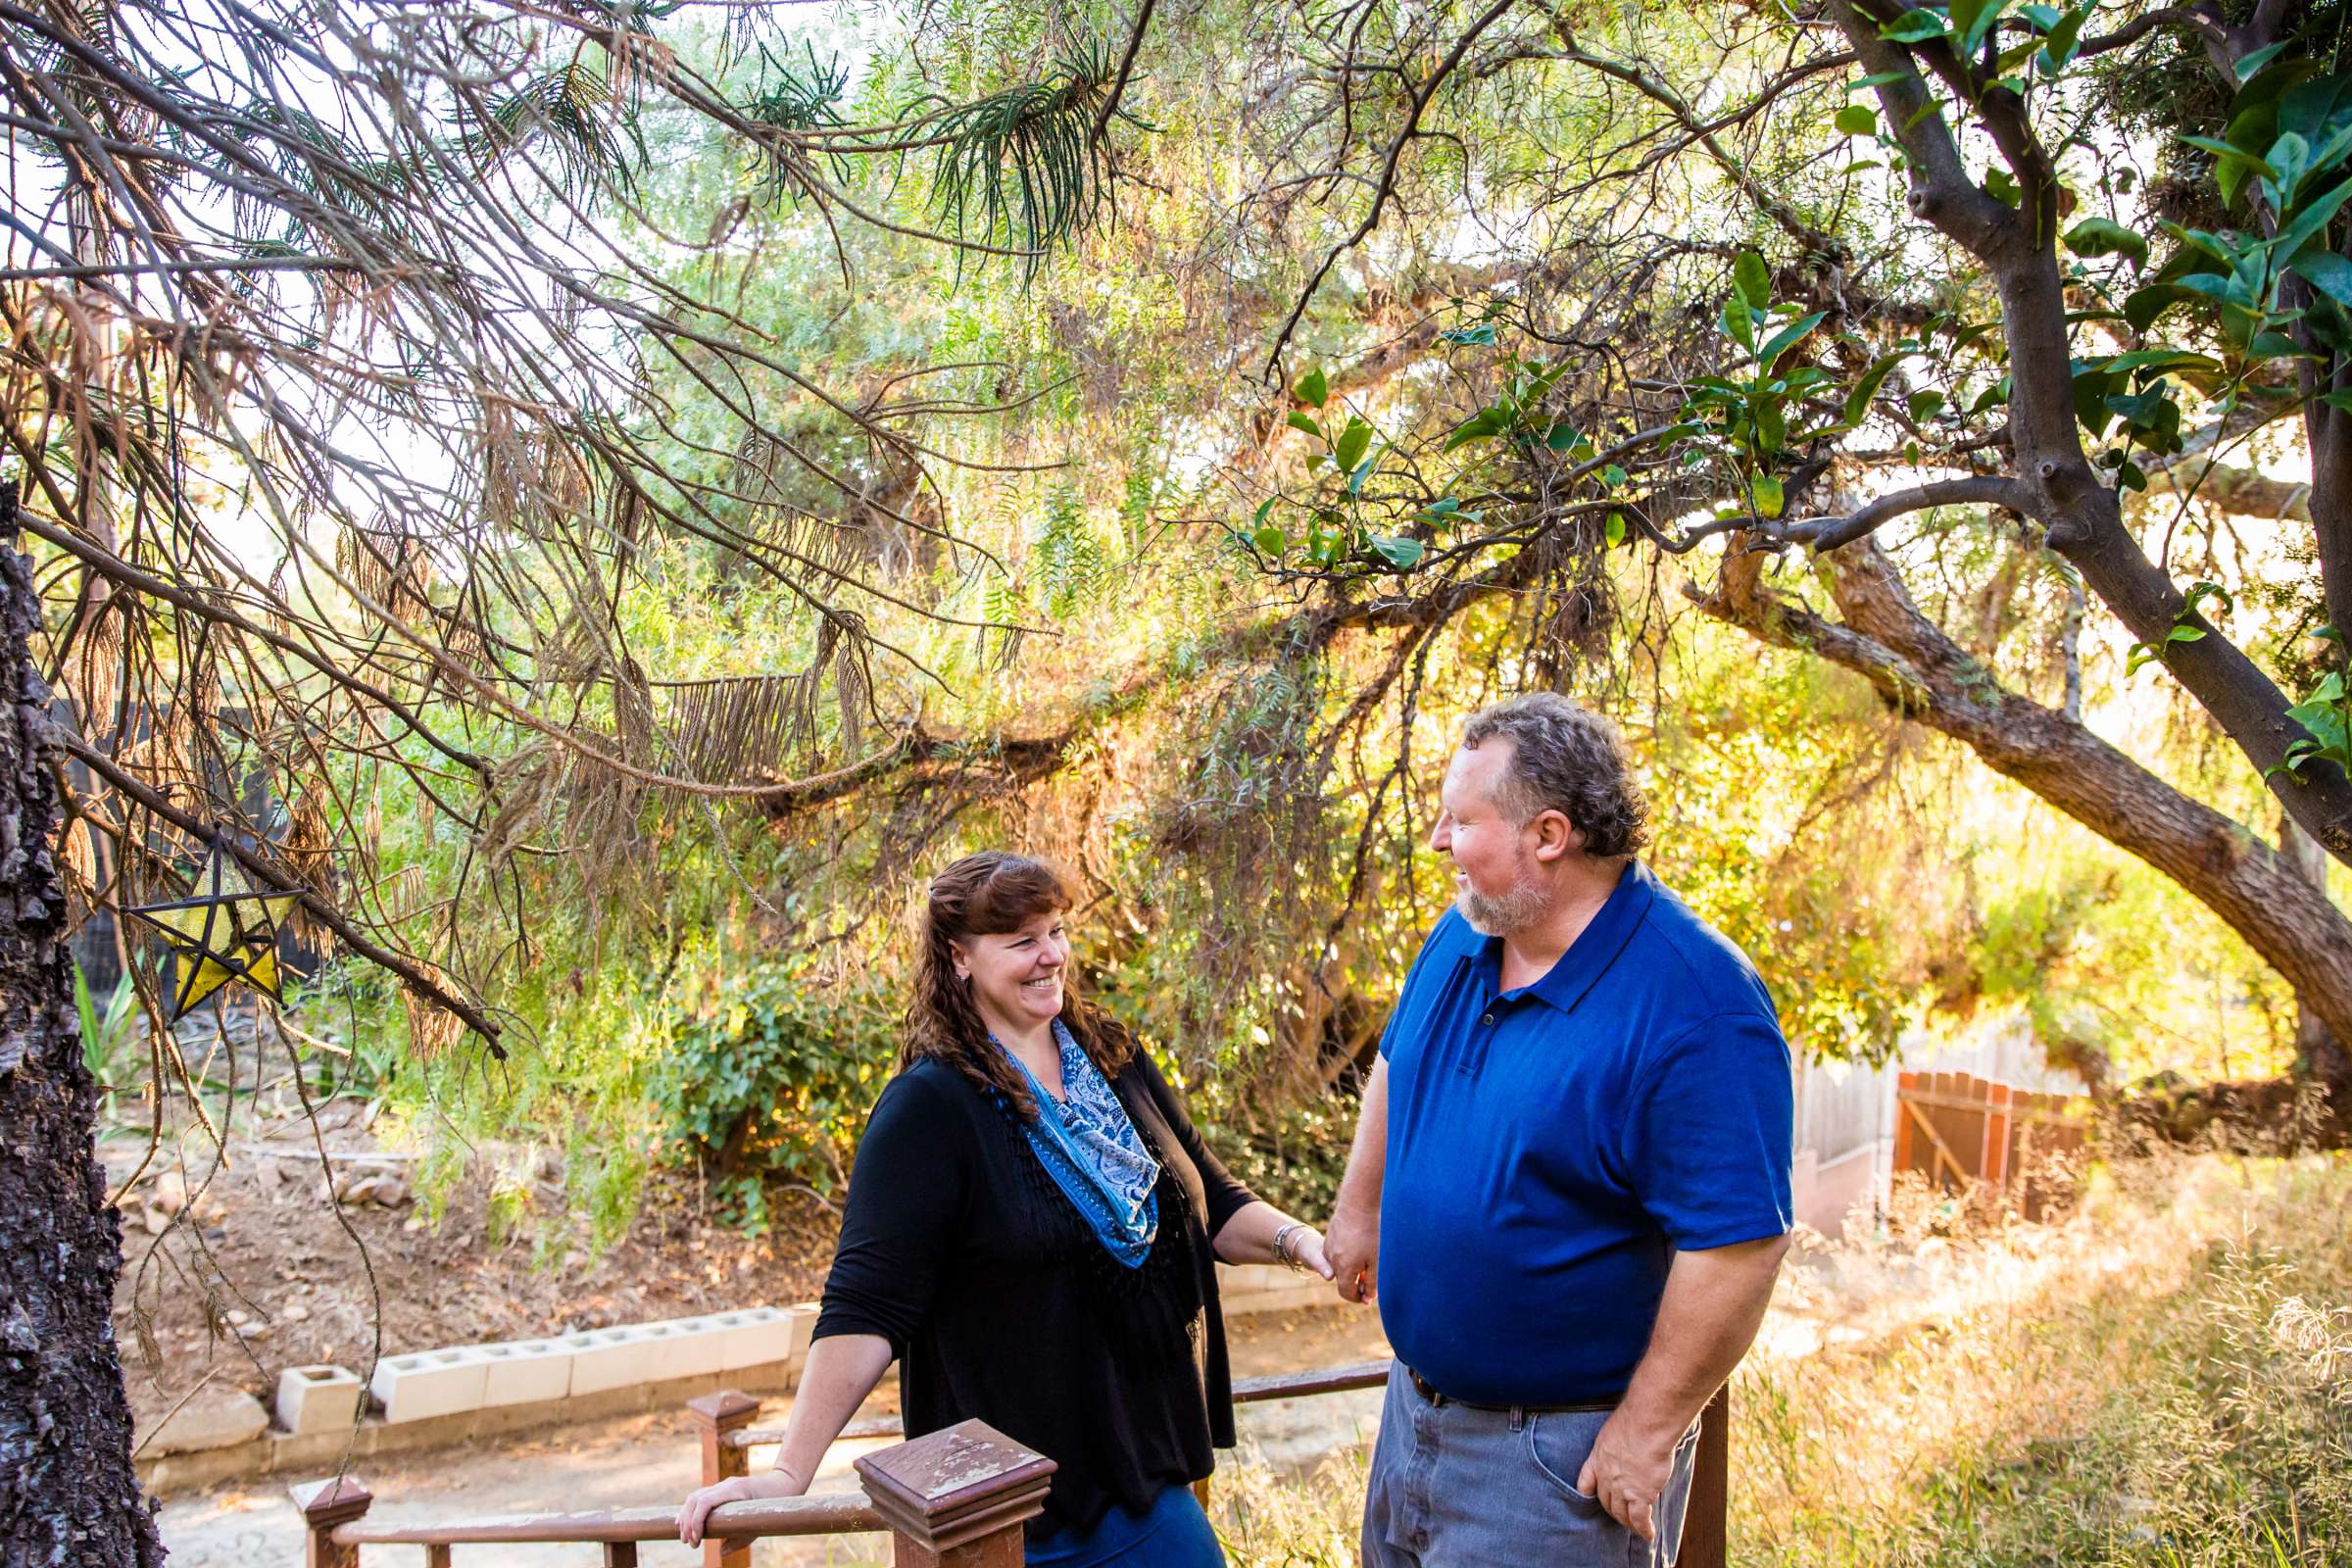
point(701, 1348)
point(431, 1383)
point(804, 1330)
point(614, 1359)
point(754, 1335)
point(317, 1398)
point(526, 1371)
point(213, 1418)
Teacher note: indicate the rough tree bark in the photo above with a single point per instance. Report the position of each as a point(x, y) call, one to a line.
point(2262, 894)
point(68, 1495)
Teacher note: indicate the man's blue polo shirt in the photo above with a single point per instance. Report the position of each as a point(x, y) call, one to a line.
point(1551, 1148)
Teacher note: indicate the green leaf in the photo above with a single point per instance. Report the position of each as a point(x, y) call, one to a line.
point(1755, 280)
point(2185, 634)
point(1789, 337)
point(1878, 78)
point(1766, 492)
point(2142, 360)
point(1739, 324)
point(1312, 388)
point(1301, 421)
point(1615, 529)
point(2200, 591)
point(2145, 305)
point(2058, 51)
point(1349, 449)
point(2002, 187)
point(2338, 400)
point(1857, 402)
point(1857, 120)
point(2251, 64)
point(1914, 27)
point(1992, 397)
point(1402, 554)
point(1271, 540)
point(2310, 218)
point(1562, 437)
point(1924, 406)
point(1973, 20)
point(1363, 471)
point(2104, 236)
point(1480, 425)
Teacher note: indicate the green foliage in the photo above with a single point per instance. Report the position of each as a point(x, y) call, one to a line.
point(1024, 167)
point(2287, 152)
point(2325, 715)
point(112, 1040)
point(767, 1074)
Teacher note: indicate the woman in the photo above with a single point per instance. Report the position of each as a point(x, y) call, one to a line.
point(1031, 1230)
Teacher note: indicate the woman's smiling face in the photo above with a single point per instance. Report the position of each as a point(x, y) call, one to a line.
point(1015, 975)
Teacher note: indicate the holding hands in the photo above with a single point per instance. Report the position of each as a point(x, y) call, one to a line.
point(1351, 1253)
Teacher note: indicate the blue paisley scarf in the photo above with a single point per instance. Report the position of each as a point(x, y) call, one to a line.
point(1091, 1148)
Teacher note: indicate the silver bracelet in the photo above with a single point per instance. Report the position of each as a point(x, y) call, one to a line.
point(1282, 1250)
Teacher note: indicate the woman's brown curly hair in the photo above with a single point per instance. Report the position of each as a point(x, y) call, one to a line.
point(988, 894)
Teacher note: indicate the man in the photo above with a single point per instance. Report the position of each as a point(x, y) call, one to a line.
point(1569, 1189)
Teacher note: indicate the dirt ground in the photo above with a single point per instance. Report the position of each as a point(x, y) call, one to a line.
point(251, 1272)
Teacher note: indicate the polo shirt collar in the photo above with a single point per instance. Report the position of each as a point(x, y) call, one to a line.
point(1594, 949)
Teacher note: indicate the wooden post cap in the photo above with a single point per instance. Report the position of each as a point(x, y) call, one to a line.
point(956, 1484)
point(726, 1408)
point(336, 1500)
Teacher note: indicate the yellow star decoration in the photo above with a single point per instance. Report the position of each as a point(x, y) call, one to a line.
point(224, 931)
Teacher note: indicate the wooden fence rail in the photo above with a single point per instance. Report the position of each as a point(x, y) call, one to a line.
point(956, 1499)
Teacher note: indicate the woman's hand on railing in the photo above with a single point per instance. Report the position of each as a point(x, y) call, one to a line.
point(696, 1510)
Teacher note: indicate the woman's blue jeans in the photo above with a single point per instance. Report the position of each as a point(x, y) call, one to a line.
point(1172, 1534)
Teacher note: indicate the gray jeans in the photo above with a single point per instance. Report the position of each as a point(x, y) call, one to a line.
point(1455, 1488)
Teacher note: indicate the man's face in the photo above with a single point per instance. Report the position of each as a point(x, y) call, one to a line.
point(1495, 873)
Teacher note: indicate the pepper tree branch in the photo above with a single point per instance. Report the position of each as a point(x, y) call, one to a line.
point(1388, 178)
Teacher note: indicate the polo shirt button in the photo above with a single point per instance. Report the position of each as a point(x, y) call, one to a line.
point(1488, 1019)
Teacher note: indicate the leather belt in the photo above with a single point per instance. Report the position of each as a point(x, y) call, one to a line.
point(1437, 1401)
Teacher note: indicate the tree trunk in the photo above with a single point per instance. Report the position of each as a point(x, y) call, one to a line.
point(67, 1494)
point(2261, 895)
point(2319, 1054)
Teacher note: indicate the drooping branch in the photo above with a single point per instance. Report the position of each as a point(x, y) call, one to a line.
point(1929, 678)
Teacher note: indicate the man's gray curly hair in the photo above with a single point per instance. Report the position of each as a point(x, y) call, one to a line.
point(1566, 759)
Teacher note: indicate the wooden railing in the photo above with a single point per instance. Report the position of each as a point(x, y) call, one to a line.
point(956, 1499)
point(1705, 1521)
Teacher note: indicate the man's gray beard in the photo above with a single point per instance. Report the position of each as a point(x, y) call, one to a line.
point(1500, 915)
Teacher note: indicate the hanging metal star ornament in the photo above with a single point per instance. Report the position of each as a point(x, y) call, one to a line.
point(225, 930)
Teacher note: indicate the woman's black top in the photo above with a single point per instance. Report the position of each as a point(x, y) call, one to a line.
point(1000, 1304)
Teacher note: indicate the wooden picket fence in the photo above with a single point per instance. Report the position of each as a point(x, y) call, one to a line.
point(1981, 1139)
